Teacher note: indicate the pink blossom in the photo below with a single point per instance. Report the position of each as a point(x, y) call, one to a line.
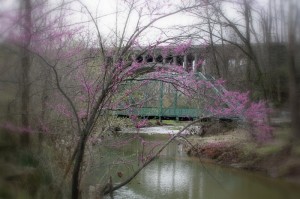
point(15, 128)
point(182, 48)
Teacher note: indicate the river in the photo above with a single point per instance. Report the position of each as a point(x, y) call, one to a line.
point(174, 175)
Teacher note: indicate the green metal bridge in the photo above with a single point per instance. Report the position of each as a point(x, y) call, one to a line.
point(173, 111)
point(162, 112)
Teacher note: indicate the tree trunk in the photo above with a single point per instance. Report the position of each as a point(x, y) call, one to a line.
point(25, 67)
point(294, 76)
point(212, 47)
point(44, 100)
point(252, 58)
point(77, 167)
point(248, 38)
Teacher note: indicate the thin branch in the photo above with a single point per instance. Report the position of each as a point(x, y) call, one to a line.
point(150, 159)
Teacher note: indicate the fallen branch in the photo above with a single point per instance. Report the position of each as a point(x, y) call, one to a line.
point(150, 159)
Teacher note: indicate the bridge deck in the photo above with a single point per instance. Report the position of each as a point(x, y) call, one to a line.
point(164, 112)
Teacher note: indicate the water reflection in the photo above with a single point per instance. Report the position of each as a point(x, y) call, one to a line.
point(174, 175)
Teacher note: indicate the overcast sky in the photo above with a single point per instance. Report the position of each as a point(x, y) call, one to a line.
point(107, 9)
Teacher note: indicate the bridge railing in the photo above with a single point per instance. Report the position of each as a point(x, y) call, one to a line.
point(165, 112)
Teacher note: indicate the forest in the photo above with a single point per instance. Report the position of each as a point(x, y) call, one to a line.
point(81, 82)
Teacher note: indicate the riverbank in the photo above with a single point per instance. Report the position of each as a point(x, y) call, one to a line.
point(175, 175)
point(231, 146)
point(235, 148)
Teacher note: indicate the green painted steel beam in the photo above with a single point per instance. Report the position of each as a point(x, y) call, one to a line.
point(164, 112)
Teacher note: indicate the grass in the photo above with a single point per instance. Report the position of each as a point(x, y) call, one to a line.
point(171, 122)
point(281, 139)
point(269, 149)
point(26, 172)
point(296, 150)
point(153, 122)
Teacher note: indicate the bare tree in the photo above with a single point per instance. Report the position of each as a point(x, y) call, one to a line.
point(294, 70)
point(26, 27)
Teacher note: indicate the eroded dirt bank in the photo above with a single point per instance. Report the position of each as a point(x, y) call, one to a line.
point(236, 148)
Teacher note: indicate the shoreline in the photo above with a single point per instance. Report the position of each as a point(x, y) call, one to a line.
point(236, 149)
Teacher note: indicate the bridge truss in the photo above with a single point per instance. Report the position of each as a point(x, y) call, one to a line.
point(158, 99)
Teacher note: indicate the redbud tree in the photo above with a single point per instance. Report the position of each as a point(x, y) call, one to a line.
point(89, 70)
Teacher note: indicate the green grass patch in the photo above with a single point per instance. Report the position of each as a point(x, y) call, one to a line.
point(269, 149)
point(154, 122)
point(248, 148)
point(170, 122)
point(283, 133)
point(296, 150)
point(174, 123)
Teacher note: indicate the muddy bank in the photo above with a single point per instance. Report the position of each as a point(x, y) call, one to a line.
point(237, 149)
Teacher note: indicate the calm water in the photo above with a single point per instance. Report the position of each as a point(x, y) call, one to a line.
point(175, 175)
